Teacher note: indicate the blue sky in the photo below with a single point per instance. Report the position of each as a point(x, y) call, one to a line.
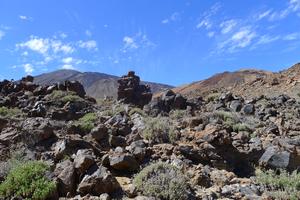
point(169, 41)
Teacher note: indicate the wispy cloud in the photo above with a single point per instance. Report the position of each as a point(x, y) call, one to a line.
point(25, 18)
point(205, 20)
point(293, 6)
point(28, 68)
point(89, 45)
point(2, 34)
point(174, 17)
point(292, 36)
point(88, 33)
point(138, 41)
point(227, 26)
point(40, 52)
point(240, 39)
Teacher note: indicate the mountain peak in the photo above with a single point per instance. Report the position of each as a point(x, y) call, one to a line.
point(96, 84)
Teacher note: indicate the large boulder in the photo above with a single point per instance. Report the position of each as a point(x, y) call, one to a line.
point(131, 92)
point(277, 158)
point(99, 182)
point(124, 162)
point(75, 86)
point(66, 178)
point(83, 160)
point(167, 101)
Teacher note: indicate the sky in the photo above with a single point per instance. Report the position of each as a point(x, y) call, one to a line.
point(170, 41)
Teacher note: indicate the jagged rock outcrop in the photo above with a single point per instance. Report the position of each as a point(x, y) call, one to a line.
point(131, 92)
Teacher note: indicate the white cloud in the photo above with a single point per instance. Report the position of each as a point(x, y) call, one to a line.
point(63, 35)
point(292, 36)
point(240, 39)
point(25, 53)
point(211, 34)
point(39, 45)
point(58, 46)
point(264, 14)
point(292, 7)
point(165, 21)
point(68, 66)
point(28, 68)
point(23, 17)
point(243, 37)
point(228, 26)
point(265, 39)
point(2, 34)
point(138, 41)
point(46, 46)
point(88, 33)
point(174, 17)
point(206, 21)
point(67, 60)
point(129, 43)
point(89, 45)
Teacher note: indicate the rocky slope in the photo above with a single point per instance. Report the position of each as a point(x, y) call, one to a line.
point(248, 83)
point(97, 85)
point(173, 148)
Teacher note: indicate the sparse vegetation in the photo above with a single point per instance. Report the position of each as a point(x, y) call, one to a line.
point(162, 180)
point(281, 185)
point(28, 181)
point(87, 122)
point(9, 112)
point(138, 111)
point(114, 109)
point(159, 130)
point(227, 117)
point(64, 96)
point(212, 97)
point(177, 114)
point(240, 127)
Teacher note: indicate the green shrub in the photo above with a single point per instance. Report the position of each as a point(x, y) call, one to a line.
point(9, 112)
point(162, 180)
point(159, 130)
point(64, 96)
point(240, 127)
point(28, 181)
point(282, 185)
point(177, 114)
point(87, 122)
point(212, 97)
point(113, 110)
point(138, 111)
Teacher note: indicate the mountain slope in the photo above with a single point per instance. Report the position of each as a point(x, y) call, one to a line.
point(247, 83)
point(97, 85)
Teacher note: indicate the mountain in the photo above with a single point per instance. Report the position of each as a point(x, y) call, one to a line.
point(97, 85)
point(247, 83)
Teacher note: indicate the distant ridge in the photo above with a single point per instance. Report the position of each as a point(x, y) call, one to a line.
point(97, 85)
point(247, 83)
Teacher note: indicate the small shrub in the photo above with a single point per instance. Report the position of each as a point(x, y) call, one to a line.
point(227, 117)
point(87, 122)
point(138, 111)
point(159, 130)
point(282, 185)
point(28, 181)
point(9, 112)
point(212, 97)
point(162, 180)
point(113, 110)
point(177, 114)
point(64, 96)
point(240, 127)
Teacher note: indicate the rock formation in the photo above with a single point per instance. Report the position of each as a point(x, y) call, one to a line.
point(131, 92)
